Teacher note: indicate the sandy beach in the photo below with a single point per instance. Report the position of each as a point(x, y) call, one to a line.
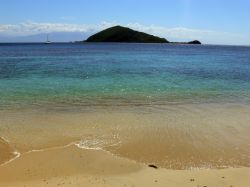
point(192, 145)
point(71, 166)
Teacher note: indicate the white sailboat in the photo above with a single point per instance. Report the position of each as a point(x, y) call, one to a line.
point(48, 42)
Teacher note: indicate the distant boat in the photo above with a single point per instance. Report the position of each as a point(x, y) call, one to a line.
point(48, 42)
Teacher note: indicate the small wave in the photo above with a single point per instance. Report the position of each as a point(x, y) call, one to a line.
point(4, 139)
point(89, 144)
point(15, 152)
point(96, 143)
point(17, 155)
point(51, 148)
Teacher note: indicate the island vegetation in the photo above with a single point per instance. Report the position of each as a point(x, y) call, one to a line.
point(124, 34)
point(127, 35)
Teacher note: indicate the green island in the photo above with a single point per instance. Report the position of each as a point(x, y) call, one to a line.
point(127, 35)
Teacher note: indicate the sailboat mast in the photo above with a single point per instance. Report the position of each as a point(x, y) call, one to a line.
point(47, 42)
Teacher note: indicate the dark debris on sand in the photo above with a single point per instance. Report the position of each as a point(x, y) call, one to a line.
point(152, 166)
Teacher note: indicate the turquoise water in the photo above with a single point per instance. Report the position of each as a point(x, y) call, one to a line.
point(122, 74)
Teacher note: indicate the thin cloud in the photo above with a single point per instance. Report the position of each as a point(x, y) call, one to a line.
point(27, 28)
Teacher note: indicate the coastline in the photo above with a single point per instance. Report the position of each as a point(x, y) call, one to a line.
point(71, 166)
point(97, 147)
point(211, 136)
point(191, 144)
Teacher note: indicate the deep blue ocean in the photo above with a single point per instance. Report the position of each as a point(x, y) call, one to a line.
point(122, 74)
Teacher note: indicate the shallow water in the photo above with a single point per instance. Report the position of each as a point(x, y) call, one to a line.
point(177, 106)
point(122, 74)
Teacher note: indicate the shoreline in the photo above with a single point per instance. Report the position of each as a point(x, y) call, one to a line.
point(73, 166)
point(105, 148)
point(77, 144)
point(205, 133)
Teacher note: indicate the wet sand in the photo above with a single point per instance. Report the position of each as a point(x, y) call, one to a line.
point(115, 146)
point(7, 152)
point(71, 166)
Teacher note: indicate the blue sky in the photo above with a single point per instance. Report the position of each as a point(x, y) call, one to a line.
point(223, 20)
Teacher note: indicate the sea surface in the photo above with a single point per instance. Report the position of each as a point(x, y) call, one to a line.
point(122, 74)
point(176, 106)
